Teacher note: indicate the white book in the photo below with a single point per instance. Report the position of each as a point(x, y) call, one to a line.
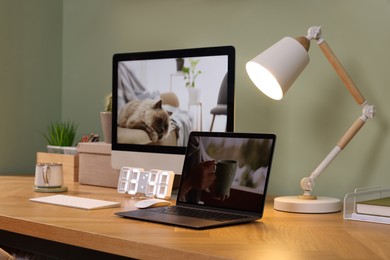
point(378, 207)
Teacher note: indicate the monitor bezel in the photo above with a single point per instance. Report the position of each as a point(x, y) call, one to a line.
point(228, 51)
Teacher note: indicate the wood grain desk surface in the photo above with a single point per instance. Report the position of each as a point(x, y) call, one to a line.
point(277, 235)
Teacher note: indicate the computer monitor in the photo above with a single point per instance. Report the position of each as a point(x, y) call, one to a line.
point(194, 86)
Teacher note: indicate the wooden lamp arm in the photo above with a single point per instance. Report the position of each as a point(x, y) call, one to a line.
point(345, 78)
point(314, 32)
point(307, 183)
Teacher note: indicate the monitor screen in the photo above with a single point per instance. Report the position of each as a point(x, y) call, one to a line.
point(159, 97)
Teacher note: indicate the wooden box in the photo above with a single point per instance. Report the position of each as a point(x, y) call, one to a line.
point(70, 164)
point(95, 165)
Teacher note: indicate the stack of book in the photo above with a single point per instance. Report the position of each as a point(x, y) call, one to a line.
point(368, 204)
point(376, 207)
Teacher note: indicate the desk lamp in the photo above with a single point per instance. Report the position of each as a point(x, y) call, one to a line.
point(273, 72)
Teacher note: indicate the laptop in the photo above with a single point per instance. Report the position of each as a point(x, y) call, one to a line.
point(224, 182)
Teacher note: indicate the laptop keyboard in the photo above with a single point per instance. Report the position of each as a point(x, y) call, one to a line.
point(204, 214)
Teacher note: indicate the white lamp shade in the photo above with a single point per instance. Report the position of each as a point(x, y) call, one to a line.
point(274, 70)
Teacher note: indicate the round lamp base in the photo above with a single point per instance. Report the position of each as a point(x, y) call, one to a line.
point(297, 205)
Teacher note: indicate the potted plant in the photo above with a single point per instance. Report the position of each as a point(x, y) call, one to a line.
point(106, 117)
point(190, 75)
point(61, 137)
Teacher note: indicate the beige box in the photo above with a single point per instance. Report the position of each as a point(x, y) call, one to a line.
point(95, 165)
point(70, 164)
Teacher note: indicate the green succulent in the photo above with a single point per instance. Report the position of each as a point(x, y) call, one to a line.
point(108, 103)
point(61, 133)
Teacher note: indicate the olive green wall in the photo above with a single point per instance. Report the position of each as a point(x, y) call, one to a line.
point(30, 79)
point(313, 115)
point(308, 122)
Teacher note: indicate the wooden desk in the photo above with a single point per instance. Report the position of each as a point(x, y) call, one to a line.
point(277, 236)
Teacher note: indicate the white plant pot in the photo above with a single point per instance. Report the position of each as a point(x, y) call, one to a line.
point(62, 149)
point(193, 96)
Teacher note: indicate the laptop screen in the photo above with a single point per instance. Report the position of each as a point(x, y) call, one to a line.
point(227, 170)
